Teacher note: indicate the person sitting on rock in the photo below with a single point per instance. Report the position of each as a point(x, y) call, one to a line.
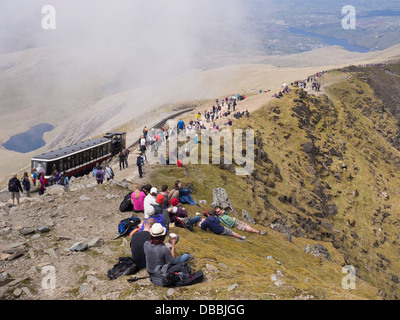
point(230, 222)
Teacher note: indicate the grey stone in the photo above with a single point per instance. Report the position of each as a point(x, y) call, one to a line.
point(247, 217)
point(170, 292)
point(233, 287)
point(85, 288)
point(96, 242)
point(318, 250)
point(26, 231)
point(221, 199)
point(17, 292)
point(79, 246)
point(51, 252)
point(43, 229)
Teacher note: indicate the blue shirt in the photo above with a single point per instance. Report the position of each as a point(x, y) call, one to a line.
point(181, 124)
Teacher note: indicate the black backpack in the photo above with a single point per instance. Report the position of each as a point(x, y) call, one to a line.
point(13, 185)
point(124, 267)
point(175, 274)
point(126, 204)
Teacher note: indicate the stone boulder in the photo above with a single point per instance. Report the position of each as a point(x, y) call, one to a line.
point(221, 199)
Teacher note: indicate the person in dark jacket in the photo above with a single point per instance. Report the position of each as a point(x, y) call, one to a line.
point(14, 187)
point(137, 244)
point(212, 222)
point(140, 163)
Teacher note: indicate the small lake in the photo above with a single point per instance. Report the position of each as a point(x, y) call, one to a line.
point(331, 41)
point(30, 140)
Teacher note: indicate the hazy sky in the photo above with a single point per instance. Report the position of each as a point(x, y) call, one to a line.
point(151, 38)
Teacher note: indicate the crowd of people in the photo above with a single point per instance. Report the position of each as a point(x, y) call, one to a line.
point(161, 210)
point(17, 186)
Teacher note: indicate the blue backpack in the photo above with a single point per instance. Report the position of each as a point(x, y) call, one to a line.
point(126, 226)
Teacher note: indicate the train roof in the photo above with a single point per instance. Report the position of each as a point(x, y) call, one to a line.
point(62, 152)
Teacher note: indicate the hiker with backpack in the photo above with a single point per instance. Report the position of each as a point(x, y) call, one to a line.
point(42, 186)
point(157, 254)
point(140, 164)
point(161, 265)
point(64, 181)
point(108, 171)
point(26, 184)
point(97, 167)
point(100, 176)
point(14, 187)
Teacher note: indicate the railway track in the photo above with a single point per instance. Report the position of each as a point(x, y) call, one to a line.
point(162, 123)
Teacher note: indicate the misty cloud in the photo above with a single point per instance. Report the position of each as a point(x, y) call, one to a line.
point(137, 41)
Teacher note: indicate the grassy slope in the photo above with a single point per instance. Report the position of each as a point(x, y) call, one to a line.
point(362, 233)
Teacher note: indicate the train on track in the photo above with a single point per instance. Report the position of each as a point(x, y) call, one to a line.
point(81, 158)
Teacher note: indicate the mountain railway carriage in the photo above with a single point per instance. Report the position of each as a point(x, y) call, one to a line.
point(79, 158)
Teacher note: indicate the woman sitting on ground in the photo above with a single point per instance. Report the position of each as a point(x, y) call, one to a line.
point(138, 199)
point(174, 193)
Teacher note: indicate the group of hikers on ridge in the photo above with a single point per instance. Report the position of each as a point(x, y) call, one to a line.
point(17, 186)
point(163, 210)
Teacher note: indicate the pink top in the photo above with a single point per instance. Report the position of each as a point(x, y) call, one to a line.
point(138, 204)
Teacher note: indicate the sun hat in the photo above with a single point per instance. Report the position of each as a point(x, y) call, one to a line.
point(157, 230)
point(153, 190)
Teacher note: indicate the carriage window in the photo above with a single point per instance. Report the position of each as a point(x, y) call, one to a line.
point(84, 156)
point(73, 164)
point(61, 165)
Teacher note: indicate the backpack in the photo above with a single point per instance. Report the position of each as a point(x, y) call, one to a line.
point(13, 186)
point(126, 204)
point(126, 226)
point(140, 161)
point(175, 274)
point(62, 181)
point(124, 267)
point(98, 174)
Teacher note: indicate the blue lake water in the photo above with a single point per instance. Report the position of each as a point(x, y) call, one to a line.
point(331, 41)
point(30, 140)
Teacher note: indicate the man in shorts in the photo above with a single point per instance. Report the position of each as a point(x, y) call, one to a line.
point(14, 187)
point(213, 223)
point(230, 222)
